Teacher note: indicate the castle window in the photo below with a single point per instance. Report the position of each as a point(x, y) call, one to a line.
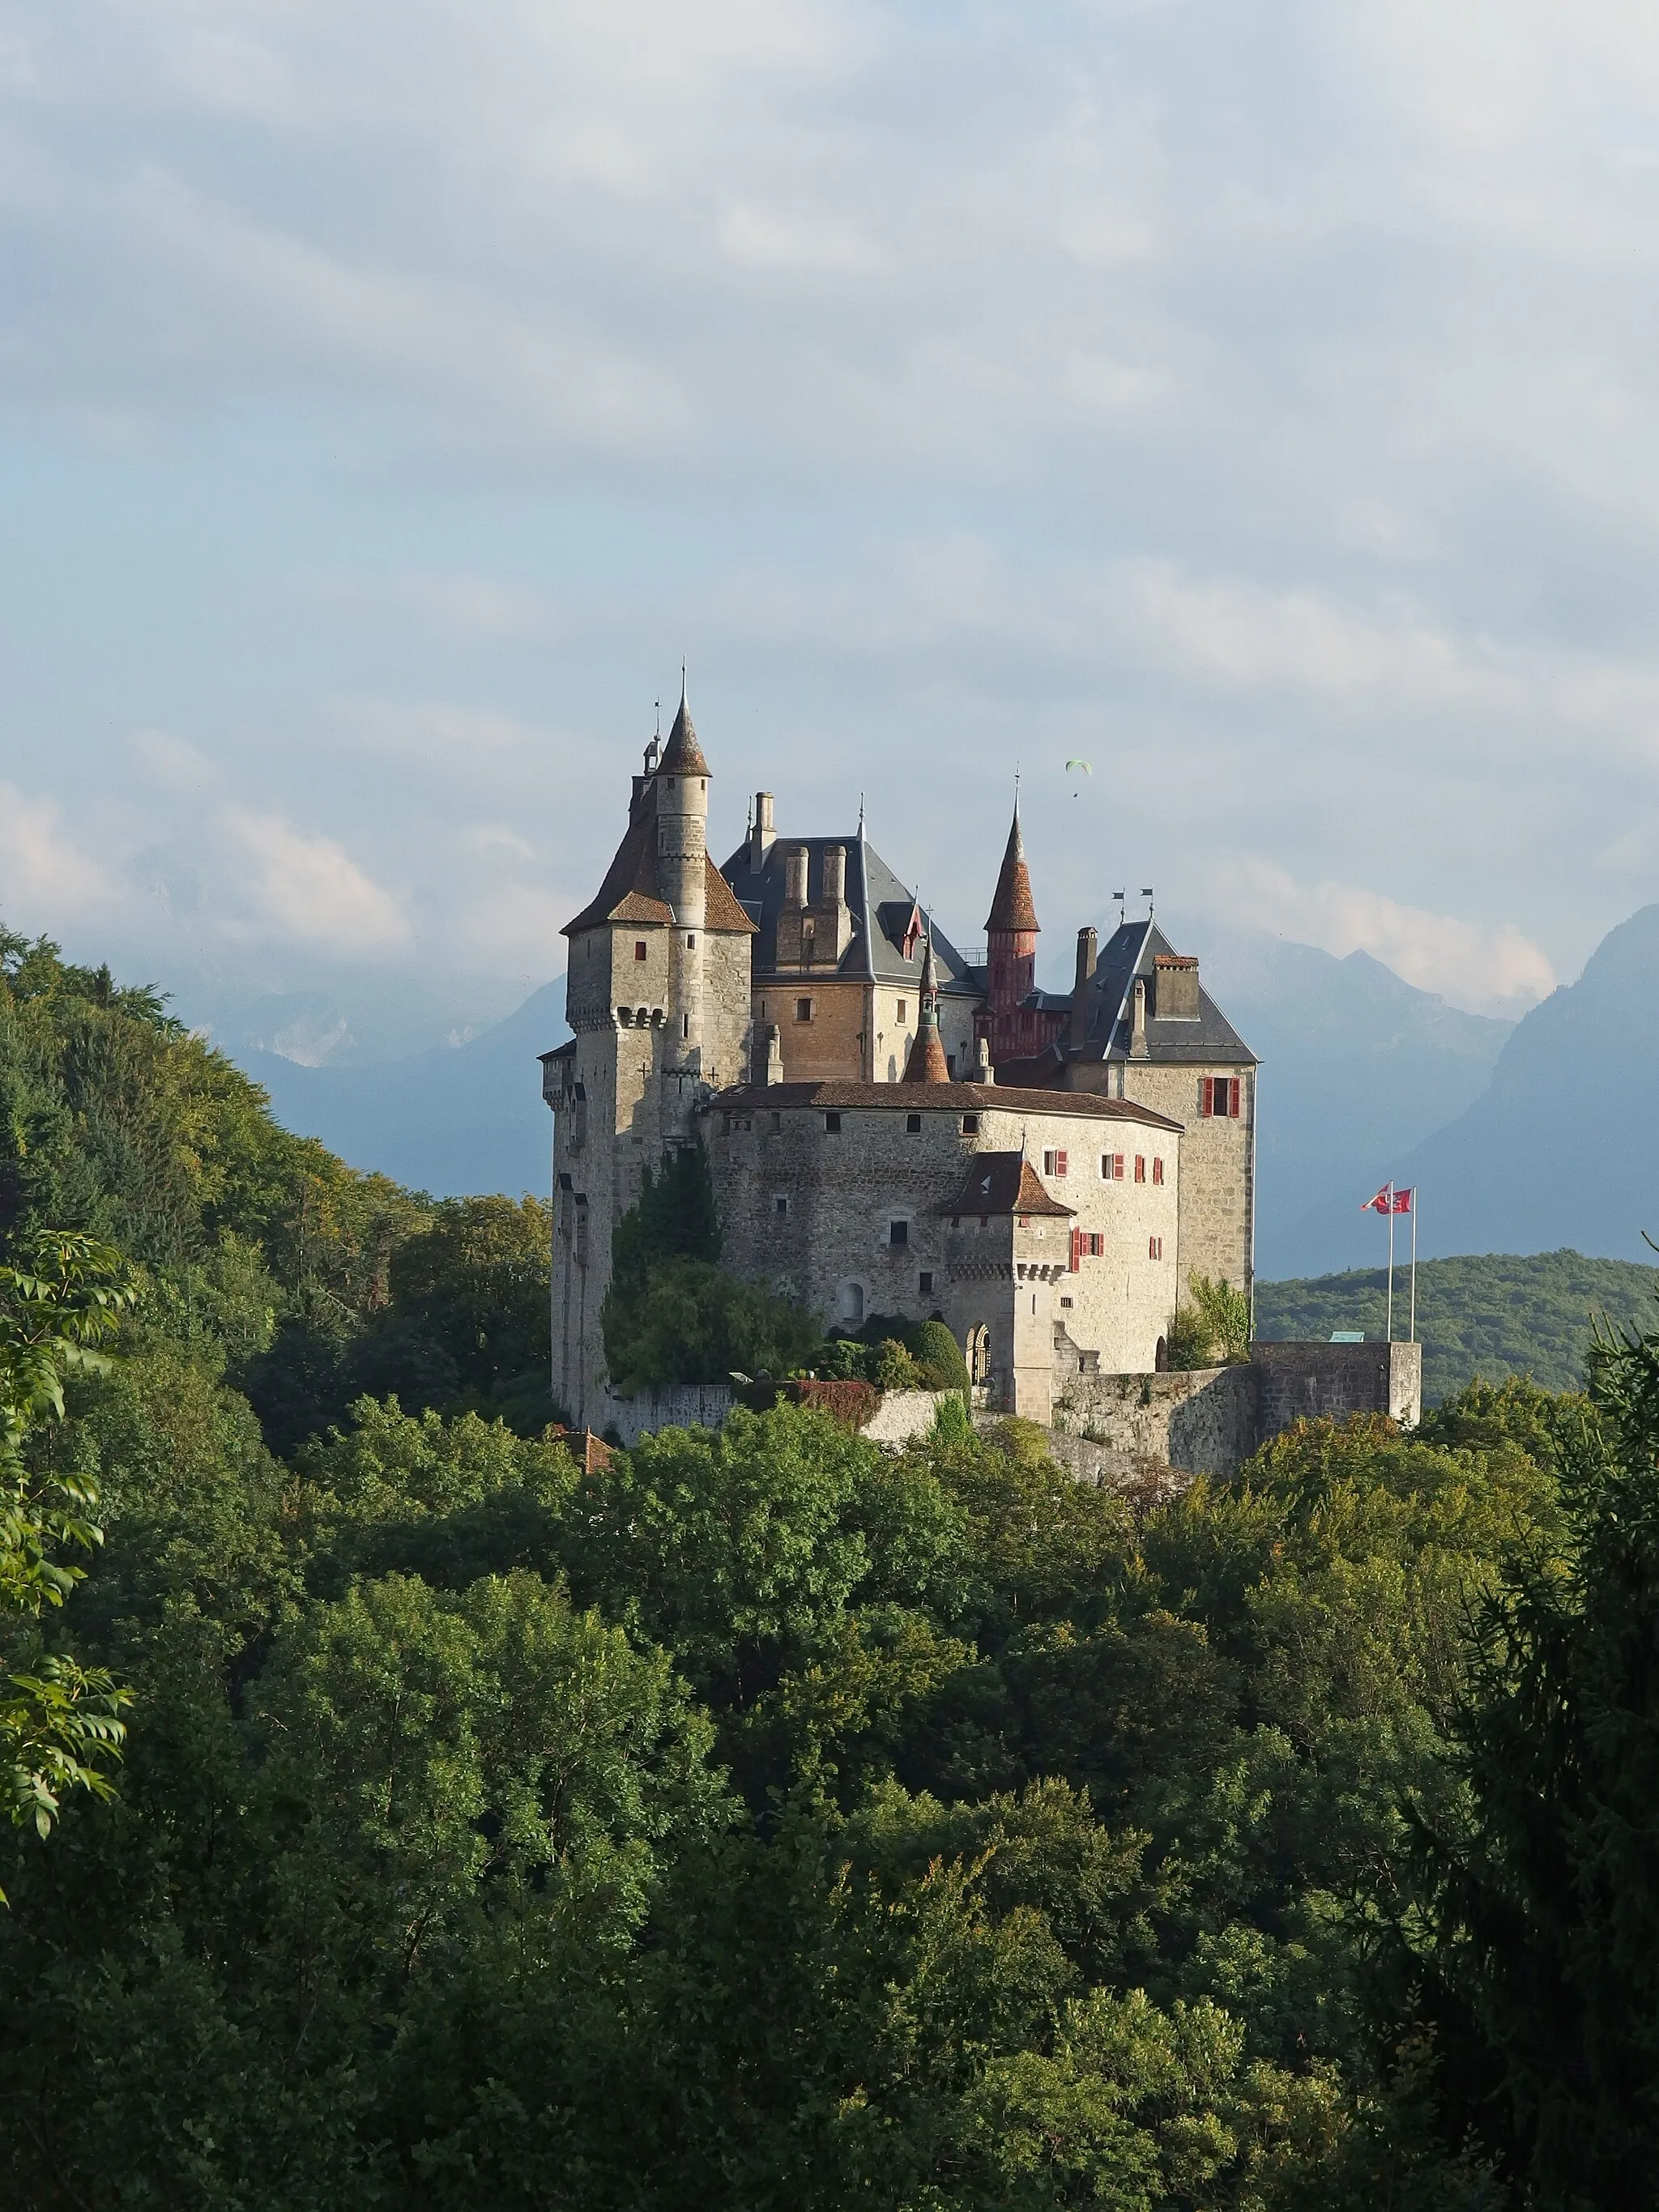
point(1154, 1248)
point(690, 942)
point(1218, 1095)
point(832, 1124)
point(686, 1025)
point(625, 1015)
point(1111, 1167)
point(925, 1282)
point(1066, 1302)
point(898, 1232)
point(898, 1011)
point(1140, 1168)
point(1054, 1163)
point(1158, 1171)
point(639, 948)
point(970, 1125)
point(777, 1124)
point(803, 1010)
point(913, 1124)
point(780, 1206)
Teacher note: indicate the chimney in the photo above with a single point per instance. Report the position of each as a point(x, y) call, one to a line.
point(761, 835)
point(795, 876)
point(834, 875)
point(1087, 948)
point(983, 1071)
point(1138, 1048)
point(771, 1068)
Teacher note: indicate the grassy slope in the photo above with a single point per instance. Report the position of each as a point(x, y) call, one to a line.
point(1491, 1315)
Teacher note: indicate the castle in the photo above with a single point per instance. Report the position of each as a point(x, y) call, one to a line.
point(890, 1127)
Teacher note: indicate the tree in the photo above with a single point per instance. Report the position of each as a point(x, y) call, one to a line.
point(1547, 1893)
point(60, 1722)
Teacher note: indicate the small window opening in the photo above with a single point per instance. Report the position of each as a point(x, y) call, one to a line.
point(899, 1012)
point(898, 1232)
point(913, 1124)
point(832, 1124)
point(686, 1025)
point(690, 940)
point(925, 1280)
point(780, 1206)
point(803, 1010)
point(777, 1124)
point(639, 948)
point(970, 1125)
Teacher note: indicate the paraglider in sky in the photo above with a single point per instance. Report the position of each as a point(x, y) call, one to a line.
point(1074, 767)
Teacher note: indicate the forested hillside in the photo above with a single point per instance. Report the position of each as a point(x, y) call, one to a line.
point(758, 1819)
point(1490, 1314)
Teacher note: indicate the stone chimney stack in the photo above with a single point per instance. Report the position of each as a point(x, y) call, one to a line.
point(983, 1071)
point(795, 876)
point(834, 875)
point(1137, 1046)
point(1087, 952)
point(768, 1055)
point(764, 834)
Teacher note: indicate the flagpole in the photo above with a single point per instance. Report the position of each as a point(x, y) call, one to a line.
point(1391, 1263)
point(1413, 1267)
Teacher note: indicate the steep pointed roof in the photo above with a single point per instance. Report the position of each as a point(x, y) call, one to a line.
point(683, 755)
point(1012, 907)
point(926, 1062)
point(1002, 1182)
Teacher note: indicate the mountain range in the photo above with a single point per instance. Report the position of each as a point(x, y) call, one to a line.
point(454, 1120)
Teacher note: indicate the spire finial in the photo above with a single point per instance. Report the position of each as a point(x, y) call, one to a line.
point(681, 686)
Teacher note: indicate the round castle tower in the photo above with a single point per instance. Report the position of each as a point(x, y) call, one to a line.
point(682, 797)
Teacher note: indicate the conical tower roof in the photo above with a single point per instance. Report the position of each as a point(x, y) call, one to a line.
point(927, 1063)
point(683, 755)
point(1012, 907)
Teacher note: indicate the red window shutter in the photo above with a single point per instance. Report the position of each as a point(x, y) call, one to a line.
point(1060, 1164)
point(1141, 1167)
point(1233, 1101)
point(1117, 1167)
point(1206, 1095)
point(1158, 1171)
point(1077, 1239)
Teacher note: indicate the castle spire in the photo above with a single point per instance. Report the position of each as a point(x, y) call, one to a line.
point(1013, 907)
point(684, 754)
point(927, 1063)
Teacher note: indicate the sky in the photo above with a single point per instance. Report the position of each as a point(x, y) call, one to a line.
point(1254, 401)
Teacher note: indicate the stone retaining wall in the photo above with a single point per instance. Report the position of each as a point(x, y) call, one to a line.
point(1203, 1422)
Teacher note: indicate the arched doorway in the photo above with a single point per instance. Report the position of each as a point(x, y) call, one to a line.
point(1161, 1356)
point(979, 1356)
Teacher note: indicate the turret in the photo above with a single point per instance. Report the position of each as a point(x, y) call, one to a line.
point(927, 1063)
point(682, 796)
point(1012, 929)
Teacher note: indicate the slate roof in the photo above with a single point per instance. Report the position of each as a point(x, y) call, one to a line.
point(1131, 950)
point(1002, 1182)
point(873, 889)
point(949, 1097)
point(630, 891)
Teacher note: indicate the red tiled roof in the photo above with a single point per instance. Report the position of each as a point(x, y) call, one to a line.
point(1013, 907)
point(1002, 1182)
point(949, 1097)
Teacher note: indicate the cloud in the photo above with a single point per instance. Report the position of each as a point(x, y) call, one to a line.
point(1483, 969)
point(44, 877)
point(309, 890)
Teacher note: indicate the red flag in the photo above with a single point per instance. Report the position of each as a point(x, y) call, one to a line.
point(1402, 1201)
point(1382, 1203)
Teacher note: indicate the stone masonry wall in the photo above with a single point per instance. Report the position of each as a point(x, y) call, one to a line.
point(1203, 1422)
point(1313, 1381)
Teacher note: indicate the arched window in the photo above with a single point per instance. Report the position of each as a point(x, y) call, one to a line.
point(852, 1303)
point(1161, 1356)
